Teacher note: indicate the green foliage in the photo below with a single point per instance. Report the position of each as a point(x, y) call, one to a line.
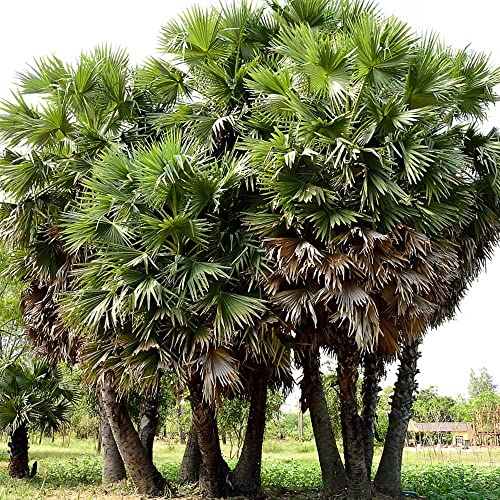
point(34, 395)
point(332, 396)
point(12, 341)
point(174, 409)
point(447, 481)
point(291, 476)
point(61, 470)
point(383, 410)
point(74, 472)
point(453, 481)
point(429, 406)
point(233, 417)
point(85, 419)
point(286, 426)
point(478, 384)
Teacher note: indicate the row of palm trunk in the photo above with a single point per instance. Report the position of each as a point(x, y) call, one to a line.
point(126, 449)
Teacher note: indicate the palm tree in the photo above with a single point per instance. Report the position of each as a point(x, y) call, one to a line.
point(219, 48)
point(337, 137)
point(85, 110)
point(366, 181)
point(165, 275)
point(32, 397)
point(352, 125)
point(239, 28)
point(476, 241)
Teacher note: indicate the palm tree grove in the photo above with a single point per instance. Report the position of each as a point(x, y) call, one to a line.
point(280, 204)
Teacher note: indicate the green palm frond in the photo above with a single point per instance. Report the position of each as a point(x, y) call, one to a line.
point(232, 311)
point(166, 82)
point(195, 36)
point(382, 47)
point(478, 80)
point(430, 80)
point(34, 395)
point(47, 75)
point(322, 58)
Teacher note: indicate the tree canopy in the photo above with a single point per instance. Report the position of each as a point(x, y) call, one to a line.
point(286, 177)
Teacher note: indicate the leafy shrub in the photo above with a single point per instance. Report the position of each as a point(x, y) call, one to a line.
point(453, 481)
point(170, 471)
point(73, 472)
point(291, 476)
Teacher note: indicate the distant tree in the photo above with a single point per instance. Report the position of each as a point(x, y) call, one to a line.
point(429, 406)
point(232, 418)
point(485, 401)
point(383, 410)
point(478, 384)
point(276, 421)
point(461, 409)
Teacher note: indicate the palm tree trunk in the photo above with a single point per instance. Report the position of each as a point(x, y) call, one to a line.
point(149, 422)
point(300, 424)
point(388, 477)
point(145, 476)
point(245, 478)
point(113, 468)
point(313, 398)
point(178, 414)
point(358, 482)
point(214, 468)
point(18, 446)
point(373, 371)
point(191, 461)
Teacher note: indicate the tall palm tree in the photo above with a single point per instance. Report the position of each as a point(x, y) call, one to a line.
point(83, 111)
point(476, 242)
point(32, 397)
point(361, 164)
point(165, 275)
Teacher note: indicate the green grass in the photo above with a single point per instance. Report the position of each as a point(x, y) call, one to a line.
point(73, 471)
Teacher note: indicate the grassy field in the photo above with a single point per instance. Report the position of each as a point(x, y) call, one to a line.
point(72, 471)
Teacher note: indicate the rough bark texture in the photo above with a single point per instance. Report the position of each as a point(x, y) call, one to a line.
point(388, 477)
point(18, 446)
point(149, 423)
point(213, 480)
point(191, 461)
point(358, 483)
point(373, 371)
point(140, 468)
point(113, 468)
point(245, 479)
point(313, 398)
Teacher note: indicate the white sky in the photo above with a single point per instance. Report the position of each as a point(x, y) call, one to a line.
point(31, 29)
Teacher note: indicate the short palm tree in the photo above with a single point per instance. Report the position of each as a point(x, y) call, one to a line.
point(33, 397)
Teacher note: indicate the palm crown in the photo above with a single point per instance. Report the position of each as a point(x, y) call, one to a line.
point(351, 123)
point(34, 395)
